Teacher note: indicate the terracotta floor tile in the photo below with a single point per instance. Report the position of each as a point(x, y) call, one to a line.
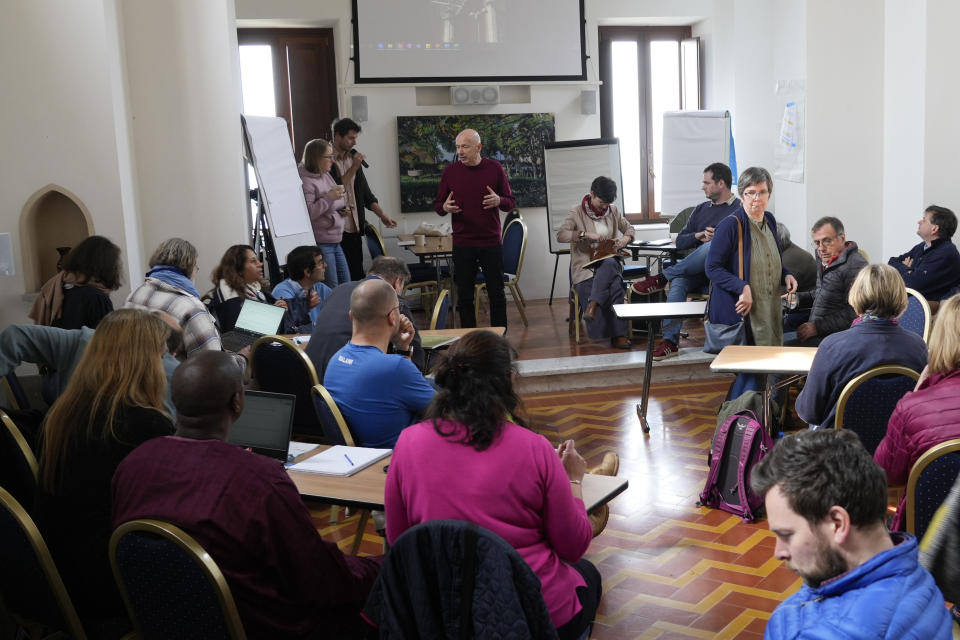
point(717, 618)
point(780, 580)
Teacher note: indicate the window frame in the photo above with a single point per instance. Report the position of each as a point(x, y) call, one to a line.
point(643, 36)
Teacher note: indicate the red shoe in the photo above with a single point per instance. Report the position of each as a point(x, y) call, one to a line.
point(651, 284)
point(666, 350)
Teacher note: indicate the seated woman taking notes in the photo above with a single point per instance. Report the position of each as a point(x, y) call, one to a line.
point(474, 460)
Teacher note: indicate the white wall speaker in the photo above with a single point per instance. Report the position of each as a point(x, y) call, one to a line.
point(358, 107)
point(588, 102)
point(465, 94)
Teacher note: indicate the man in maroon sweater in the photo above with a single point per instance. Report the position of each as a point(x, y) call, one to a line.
point(245, 511)
point(474, 191)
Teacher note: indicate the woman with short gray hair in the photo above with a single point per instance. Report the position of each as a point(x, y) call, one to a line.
point(744, 265)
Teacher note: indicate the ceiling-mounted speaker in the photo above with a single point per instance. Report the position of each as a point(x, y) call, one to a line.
point(464, 94)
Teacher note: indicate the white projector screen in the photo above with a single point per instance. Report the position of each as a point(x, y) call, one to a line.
point(468, 40)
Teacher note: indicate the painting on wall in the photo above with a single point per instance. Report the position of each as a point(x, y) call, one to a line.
point(426, 146)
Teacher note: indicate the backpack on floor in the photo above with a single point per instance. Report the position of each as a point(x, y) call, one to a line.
point(740, 442)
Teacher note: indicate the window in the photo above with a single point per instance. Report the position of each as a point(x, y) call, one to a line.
point(645, 71)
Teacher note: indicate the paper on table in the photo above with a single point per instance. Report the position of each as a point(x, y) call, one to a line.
point(340, 460)
point(299, 448)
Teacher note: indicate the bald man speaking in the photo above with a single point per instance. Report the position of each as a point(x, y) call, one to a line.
point(473, 190)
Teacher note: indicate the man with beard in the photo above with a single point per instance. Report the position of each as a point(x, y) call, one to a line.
point(826, 503)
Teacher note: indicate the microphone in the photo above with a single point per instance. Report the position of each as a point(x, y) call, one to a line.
point(353, 152)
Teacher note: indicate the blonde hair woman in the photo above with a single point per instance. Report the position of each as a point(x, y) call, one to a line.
point(325, 204)
point(931, 413)
point(875, 338)
point(113, 402)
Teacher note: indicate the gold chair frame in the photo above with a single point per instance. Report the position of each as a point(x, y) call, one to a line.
point(45, 560)
point(883, 370)
point(931, 454)
point(441, 299)
point(428, 288)
point(25, 449)
point(196, 552)
point(927, 313)
point(512, 284)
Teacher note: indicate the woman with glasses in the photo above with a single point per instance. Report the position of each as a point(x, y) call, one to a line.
point(745, 285)
point(326, 206)
point(239, 277)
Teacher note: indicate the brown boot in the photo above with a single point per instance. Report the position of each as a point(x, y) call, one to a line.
point(609, 466)
point(620, 342)
point(591, 311)
point(599, 516)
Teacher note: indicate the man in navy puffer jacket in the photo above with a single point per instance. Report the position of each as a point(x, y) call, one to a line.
point(826, 501)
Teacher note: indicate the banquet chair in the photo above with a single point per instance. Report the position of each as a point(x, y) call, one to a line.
point(514, 248)
point(280, 366)
point(868, 400)
point(16, 396)
point(336, 431)
point(171, 585)
point(18, 465)
point(422, 276)
point(928, 484)
point(440, 311)
point(30, 585)
point(917, 316)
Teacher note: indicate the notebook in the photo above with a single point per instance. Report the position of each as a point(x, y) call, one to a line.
point(256, 319)
point(265, 424)
point(340, 460)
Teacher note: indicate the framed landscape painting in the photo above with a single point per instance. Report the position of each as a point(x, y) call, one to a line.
point(426, 146)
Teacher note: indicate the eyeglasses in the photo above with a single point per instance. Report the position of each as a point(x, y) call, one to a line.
point(396, 308)
point(328, 155)
point(826, 242)
point(756, 195)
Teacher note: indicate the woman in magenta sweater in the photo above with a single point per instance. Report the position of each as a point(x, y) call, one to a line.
point(325, 204)
point(931, 413)
point(474, 460)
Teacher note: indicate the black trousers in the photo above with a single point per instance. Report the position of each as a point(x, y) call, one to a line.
point(589, 597)
point(490, 261)
point(352, 245)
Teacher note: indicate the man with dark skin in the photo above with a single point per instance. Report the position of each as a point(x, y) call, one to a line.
point(245, 511)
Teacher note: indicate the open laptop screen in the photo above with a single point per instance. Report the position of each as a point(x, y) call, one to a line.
point(265, 424)
point(258, 317)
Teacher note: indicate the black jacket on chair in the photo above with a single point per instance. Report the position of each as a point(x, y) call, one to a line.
point(453, 579)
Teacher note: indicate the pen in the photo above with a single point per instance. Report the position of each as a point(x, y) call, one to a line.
point(349, 460)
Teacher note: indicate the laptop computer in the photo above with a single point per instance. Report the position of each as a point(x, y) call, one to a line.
point(256, 319)
point(265, 424)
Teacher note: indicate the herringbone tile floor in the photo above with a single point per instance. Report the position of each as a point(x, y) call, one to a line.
point(670, 569)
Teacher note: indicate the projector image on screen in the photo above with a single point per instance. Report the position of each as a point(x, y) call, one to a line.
point(475, 95)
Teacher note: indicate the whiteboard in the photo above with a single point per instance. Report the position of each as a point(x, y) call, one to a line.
point(281, 190)
point(691, 141)
point(570, 167)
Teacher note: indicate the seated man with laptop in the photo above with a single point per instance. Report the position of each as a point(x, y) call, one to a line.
point(245, 511)
point(378, 393)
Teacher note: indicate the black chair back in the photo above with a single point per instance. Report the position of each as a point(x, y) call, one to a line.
point(280, 366)
point(30, 585)
point(334, 425)
point(171, 586)
point(929, 483)
point(867, 402)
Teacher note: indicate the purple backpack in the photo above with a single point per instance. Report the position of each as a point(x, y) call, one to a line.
point(740, 442)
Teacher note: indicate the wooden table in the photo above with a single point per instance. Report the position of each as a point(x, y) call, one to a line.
point(365, 488)
point(434, 249)
point(652, 252)
point(652, 312)
point(792, 362)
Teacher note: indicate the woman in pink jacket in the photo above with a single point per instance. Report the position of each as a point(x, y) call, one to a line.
point(473, 459)
point(931, 413)
point(325, 204)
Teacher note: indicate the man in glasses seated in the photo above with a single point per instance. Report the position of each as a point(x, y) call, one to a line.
point(828, 308)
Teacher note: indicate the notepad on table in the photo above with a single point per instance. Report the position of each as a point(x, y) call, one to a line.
point(340, 460)
point(406, 243)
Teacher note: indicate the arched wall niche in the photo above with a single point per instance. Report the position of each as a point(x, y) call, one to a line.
point(52, 217)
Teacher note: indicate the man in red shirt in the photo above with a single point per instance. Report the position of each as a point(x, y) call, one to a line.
point(474, 191)
point(244, 510)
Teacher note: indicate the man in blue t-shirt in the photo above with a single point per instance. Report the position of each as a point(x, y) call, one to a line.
point(378, 393)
